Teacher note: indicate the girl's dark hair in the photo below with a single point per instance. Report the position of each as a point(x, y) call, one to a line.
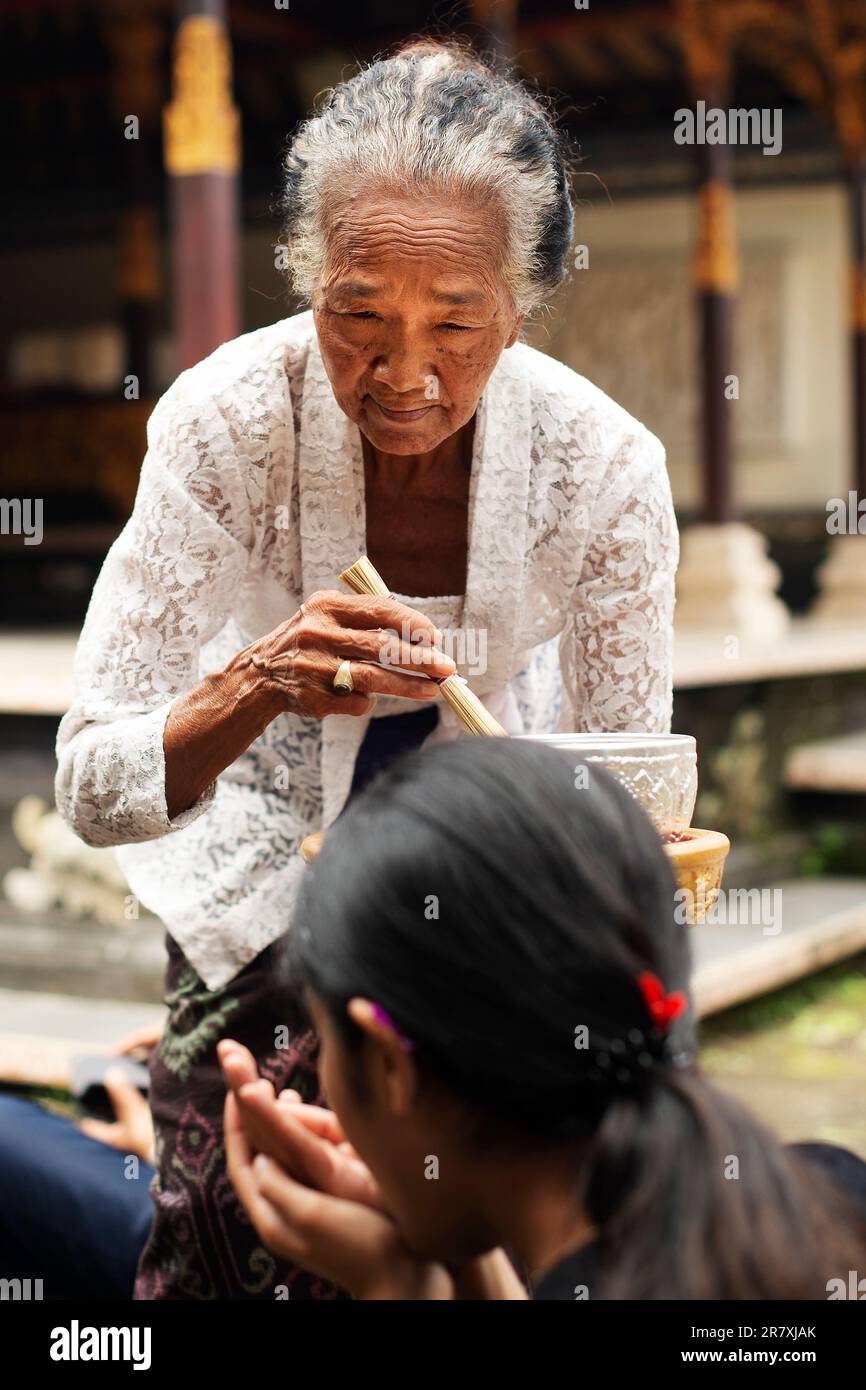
point(501, 909)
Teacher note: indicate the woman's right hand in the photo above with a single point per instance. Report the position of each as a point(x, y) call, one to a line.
point(298, 660)
point(293, 668)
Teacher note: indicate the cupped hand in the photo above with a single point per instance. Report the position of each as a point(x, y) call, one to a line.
point(357, 1248)
point(306, 1140)
point(383, 639)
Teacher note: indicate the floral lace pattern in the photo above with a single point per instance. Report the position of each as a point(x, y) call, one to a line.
point(251, 497)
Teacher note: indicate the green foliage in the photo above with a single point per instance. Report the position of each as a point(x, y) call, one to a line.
point(836, 848)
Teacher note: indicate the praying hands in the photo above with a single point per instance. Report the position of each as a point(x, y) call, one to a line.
point(314, 1202)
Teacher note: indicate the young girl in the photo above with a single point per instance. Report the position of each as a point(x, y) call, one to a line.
point(492, 963)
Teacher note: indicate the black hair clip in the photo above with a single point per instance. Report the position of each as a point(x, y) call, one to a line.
point(627, 1063)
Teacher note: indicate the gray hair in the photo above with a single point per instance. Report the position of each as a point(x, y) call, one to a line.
point(434, 117)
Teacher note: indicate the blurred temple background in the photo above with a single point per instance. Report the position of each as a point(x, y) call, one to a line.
point(718, 292)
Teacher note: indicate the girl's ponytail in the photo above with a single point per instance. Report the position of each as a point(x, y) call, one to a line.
point(692, 1199)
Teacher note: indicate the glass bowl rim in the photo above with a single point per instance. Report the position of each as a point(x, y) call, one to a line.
point(608, 742)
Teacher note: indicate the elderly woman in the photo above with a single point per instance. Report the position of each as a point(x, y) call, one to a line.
point(522, 519)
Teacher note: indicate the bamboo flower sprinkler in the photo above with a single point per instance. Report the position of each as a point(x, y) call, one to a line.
point(364, 578)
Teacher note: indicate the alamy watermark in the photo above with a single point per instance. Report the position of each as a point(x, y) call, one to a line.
point(20, 1290)
point(854, 1287)
point(846, 516)
point(77, 1343)
point(22, 516)
point(737, 126)
point(467, 647)
point(733, 907)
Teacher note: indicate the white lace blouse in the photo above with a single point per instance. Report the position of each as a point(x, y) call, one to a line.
point(251, 497)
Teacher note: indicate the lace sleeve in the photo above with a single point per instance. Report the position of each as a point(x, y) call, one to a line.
point(168, 584)
point(616, 649)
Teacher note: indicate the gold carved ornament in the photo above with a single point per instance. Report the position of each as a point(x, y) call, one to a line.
point(201, 124)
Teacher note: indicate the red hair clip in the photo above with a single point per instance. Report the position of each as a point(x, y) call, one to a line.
point(664, 1008)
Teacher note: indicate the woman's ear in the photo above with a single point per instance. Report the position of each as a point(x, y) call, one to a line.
point(390, 1072)
point(515, 330)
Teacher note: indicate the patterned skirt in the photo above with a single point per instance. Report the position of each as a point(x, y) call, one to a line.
point(201, 1244)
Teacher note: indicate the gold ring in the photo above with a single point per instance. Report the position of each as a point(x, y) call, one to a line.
point(343, 683)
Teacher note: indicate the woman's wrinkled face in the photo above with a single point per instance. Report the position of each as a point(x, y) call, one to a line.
point(412, 313)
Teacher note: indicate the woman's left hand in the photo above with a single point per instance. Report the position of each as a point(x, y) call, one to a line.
point(306, 1140)
point(353, 1245)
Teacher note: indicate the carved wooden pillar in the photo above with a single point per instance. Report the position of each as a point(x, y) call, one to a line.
point(857, 202)
point(726, 583)
point(716, 278)
point(841, 60)
point(855, 163)
point(202, 156)
point(716, 268)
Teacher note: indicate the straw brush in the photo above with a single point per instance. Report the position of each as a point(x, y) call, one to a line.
point(364, 578)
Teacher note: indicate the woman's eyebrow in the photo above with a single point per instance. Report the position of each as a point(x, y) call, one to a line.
point(355, 289)
point(458, 296)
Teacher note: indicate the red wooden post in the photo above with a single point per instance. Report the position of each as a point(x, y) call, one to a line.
point(716, 278)
point(202, 156)
point(857, 202)
point(705, 37)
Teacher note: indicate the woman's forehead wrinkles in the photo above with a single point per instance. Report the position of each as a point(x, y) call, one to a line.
point(451, 244)
point(455, 227)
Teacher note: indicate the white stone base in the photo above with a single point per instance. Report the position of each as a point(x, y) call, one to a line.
point(842, 580)
point(727, 584)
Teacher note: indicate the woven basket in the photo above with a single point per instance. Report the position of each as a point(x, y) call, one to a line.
point(698, 861)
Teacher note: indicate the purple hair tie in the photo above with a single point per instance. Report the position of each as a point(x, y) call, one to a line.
point(387, 1022)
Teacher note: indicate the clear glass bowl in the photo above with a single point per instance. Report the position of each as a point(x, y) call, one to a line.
point(659, 770)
